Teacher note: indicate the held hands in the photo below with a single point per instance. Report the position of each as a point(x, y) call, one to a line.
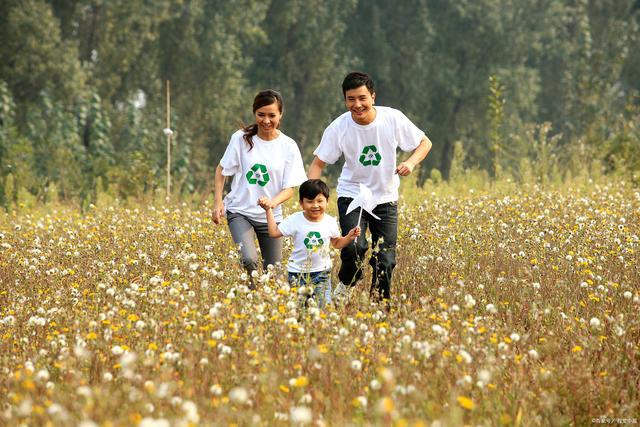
point(405, 168)
point(217, 213)
point(266, 203)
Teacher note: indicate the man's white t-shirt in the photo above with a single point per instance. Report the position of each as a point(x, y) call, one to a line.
point(311, 242)
point(265, 170)
point(369, 151)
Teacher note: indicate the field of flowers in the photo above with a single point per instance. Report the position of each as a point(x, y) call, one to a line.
point(517, 308)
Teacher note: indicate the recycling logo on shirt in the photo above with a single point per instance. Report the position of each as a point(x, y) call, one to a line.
point(370, 156)
point(313, 240)
point(258, 175)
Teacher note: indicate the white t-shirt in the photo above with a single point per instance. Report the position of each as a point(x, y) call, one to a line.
point(369, 151)
point(265, 170)
point(311, 242)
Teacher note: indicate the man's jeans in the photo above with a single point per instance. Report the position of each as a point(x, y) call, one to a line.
point(384, 235)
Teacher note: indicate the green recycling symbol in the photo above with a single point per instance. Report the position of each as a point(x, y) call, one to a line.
point(313, 240)
point(370, 156)
point(258, 175)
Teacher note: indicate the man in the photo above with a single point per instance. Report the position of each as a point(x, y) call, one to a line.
point(368, 137)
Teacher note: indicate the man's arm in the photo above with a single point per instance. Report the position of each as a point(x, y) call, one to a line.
point(315, 170)
point(418, 155)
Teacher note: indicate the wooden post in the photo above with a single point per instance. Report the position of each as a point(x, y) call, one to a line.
point(168, 140)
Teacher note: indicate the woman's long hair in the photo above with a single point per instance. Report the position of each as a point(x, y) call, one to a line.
point(263, 98)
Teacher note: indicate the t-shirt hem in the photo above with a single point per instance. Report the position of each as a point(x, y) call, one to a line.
point(381, 200)
point(290, 270)
point(260, 219)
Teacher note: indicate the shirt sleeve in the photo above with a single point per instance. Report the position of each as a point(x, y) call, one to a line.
point(294, 173)
point(287, 227)
point(334, 230)
point(230, 161)
point(329, 149)
point(407, 134)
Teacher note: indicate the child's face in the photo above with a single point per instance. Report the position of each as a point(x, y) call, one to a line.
point(314, 208)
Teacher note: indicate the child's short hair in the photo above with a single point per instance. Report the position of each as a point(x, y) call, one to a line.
point(312, 187)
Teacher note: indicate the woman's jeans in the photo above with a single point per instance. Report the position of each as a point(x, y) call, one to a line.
point(244, 231)
point(384, 236)
point(321, 282)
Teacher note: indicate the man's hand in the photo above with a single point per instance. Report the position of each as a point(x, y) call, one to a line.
point(405, 168)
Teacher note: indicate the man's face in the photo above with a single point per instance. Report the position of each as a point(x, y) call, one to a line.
point(359, 102)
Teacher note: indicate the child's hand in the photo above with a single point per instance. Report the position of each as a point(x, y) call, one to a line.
point(354, 232)
point(265, 203)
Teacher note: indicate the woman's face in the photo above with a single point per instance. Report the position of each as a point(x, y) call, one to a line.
point(268, 118)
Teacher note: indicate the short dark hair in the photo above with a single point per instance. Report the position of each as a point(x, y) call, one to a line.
point(356, 79)
point(312, 187)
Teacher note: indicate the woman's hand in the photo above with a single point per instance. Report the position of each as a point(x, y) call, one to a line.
point(218, 212)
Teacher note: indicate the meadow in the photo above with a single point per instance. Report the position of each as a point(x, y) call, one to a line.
point(516, 307)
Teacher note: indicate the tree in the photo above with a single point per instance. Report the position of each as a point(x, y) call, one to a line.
point(305, 60)
point(34, 57)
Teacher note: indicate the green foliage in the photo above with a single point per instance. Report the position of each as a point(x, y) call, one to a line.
point(622, 149)
point(9, 191)
point(306, 61)
point(34, 57)
point(457, 163)
point(435, 176)
point(82, 86)
point(496, 118)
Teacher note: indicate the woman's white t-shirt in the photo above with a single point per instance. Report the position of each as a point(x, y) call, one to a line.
point(311, 242)
point(369, 151)
point(265, 170)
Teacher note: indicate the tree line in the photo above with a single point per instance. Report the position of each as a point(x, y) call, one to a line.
point(524, 89)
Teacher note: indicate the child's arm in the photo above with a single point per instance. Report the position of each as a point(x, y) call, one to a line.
point(341, 242)
point(274, 232)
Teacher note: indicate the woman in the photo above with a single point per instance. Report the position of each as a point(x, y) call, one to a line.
point(263, 162)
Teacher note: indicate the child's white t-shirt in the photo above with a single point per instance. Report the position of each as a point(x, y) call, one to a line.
point(369, 151)
point(311, 242)
point(265, 170)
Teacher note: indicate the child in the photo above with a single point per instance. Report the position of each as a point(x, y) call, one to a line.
point(312, 230)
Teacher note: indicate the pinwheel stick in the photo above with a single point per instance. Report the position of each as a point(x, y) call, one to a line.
point(359, 218)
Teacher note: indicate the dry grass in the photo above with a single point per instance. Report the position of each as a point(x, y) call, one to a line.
point(517, 309)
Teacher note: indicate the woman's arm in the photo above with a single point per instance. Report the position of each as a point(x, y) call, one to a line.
point(218, 188)
point(281, 197)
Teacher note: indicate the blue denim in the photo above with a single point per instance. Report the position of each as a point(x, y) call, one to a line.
point(384, 236)
point(321, 281)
